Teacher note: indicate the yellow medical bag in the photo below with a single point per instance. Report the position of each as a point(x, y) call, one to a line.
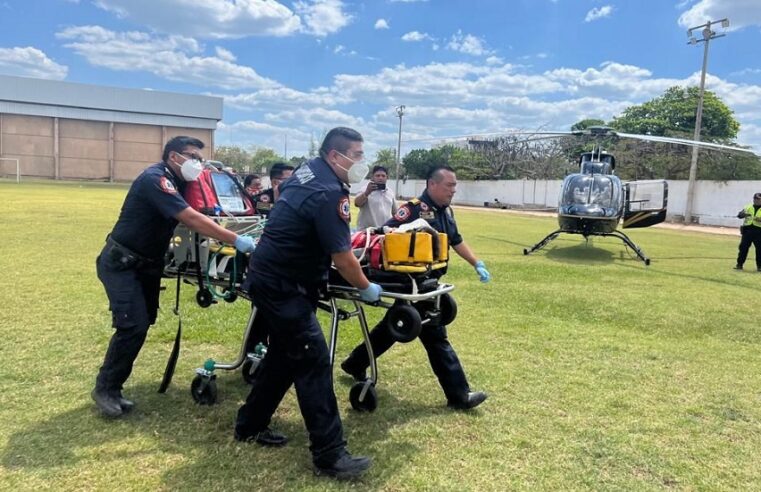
point(414, 252)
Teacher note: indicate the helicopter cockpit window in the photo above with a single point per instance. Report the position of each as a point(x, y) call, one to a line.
point(598, 195)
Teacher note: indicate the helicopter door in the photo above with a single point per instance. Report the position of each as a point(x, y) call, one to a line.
point(645, 203)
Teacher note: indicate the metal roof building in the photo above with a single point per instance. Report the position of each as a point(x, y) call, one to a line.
point(64, 130)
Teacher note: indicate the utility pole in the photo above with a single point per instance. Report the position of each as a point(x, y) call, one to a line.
point(400, 113)
point(708, 35)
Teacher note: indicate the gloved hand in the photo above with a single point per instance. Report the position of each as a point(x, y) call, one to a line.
point(244, 244)
point(371, 293)
point(483, 273)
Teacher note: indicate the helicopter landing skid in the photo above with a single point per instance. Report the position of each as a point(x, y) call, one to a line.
point(620, 235)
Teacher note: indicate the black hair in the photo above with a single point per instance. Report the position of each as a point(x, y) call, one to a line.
point(278, 168)
point(178, 144)
point(757, 195)
point(380, 168)
point(249, 178)
point(433, 171)
point(339, 139)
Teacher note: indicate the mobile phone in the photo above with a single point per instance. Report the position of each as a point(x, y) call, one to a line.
point(380, 186)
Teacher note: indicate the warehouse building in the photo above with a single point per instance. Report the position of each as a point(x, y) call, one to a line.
point(63, 130)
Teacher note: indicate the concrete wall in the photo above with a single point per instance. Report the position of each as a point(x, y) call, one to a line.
point(716, 202)
point(61, 148)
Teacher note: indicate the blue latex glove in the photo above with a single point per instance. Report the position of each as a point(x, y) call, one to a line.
point(244, 244)
point(371, 293)
point(483, 273)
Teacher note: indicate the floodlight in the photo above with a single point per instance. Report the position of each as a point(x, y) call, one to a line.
point(725, 23)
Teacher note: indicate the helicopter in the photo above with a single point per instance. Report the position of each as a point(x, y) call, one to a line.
point(594, 200)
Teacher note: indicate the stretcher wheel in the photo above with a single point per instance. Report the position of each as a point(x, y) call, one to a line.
point(448, 309)
point(404, 323)
point(248, 370)
point(204, 298)
point(204, 390)
point(230, 296)
point(369, 403)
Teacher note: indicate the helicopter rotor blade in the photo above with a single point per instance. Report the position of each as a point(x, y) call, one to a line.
point(683, 141)
point(544, 135)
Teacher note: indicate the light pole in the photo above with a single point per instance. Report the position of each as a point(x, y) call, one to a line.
point(400, 113)
point(708, 35)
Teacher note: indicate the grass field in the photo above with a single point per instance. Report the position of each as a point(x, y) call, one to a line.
point(603, 374)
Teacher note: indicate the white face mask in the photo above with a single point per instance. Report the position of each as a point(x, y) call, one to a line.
point(191, 169)
point(357, 171)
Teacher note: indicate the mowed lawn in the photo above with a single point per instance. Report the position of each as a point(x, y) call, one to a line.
point(603, 374)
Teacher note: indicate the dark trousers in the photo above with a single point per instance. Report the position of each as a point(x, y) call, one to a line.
point(297, 355)
point(750, 236)
point(444, 362)
point(133, 298)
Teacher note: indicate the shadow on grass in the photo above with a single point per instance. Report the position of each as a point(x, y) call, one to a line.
point(581, 253)
point(190, 443)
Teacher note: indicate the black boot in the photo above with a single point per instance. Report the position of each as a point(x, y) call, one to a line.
point(106, 403)
point(345, 468)
point(267, 438)
point(471, 400)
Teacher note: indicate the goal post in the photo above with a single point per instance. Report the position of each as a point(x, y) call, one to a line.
point(16, 169)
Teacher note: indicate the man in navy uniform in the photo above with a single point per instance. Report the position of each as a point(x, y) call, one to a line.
point(265, 200)
point(433, 206)
point(307, 229)
point(131, 262)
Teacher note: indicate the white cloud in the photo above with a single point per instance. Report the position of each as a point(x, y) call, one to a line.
point(741, 13)
point(209, 18)
point(30, 62)
point(414, 36)
point(323, 17)
point(381, 24)
point(468, 44)
point(598, 13)
point(173, 57)
point(494, 60)
point(224, 54)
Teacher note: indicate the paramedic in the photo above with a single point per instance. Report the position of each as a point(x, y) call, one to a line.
point(308, 228)
point(131, 263)
point(376, 203)
point(433, 206)
point(265, 200)
point(751, 232)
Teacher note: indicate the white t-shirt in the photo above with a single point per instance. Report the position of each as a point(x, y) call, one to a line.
point(378, 209)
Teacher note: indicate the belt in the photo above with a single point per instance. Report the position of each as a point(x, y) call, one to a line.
point(127, 256)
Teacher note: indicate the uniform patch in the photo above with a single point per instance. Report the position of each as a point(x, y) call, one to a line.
point(344, 209)
point(423, 206)
point(430, 215)
point(403, 213)
point(264, 198)
point(167, 186)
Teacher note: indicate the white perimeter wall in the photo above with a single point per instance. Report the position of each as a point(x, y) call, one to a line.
point(716, 202)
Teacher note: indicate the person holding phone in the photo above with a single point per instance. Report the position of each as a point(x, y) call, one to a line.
point(376, 203)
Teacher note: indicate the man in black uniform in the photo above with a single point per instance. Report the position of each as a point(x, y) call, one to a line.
point(265, 200)
point(750, 231)
point(131, 262)
point(307, 229)
point(433, 206)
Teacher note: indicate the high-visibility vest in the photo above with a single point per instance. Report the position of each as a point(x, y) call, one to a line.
point(752, 217)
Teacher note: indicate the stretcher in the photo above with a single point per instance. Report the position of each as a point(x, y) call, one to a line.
point(411, 293)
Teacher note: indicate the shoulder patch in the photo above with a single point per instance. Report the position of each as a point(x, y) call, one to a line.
point(264, 198)
point(166, 185)
point(414, 201)
point(423, 206)
point(403, 213)
point(344, 209)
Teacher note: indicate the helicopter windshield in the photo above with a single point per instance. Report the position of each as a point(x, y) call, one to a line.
point(591, 195)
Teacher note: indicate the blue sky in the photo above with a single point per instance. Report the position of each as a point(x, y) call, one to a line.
point(298, 68)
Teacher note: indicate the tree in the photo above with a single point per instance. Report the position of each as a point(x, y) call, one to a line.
point(233, 156)
point(674, 113)
point(584, 124)
point(386, 158)
point(263, 158)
